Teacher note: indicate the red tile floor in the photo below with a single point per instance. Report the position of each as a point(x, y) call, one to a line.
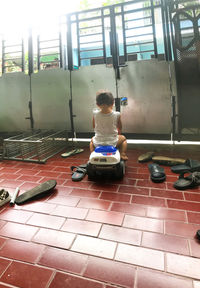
point(128, 233)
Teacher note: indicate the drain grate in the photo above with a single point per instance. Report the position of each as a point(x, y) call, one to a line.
point(37, 146)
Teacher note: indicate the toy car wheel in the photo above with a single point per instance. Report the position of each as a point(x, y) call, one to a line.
point(90, 171)
point(120, 170)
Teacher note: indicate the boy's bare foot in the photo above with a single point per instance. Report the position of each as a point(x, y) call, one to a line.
point(124, 157)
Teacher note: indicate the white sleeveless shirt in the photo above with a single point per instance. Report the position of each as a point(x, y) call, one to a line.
point(106, 132)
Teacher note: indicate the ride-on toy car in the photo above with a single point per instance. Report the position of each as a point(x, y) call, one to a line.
point(104, 160)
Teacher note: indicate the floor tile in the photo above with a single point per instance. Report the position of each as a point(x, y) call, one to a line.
point(41, 207)
point(64, 200)
point(183, 265)
point(93, 246)
point(4, 263)
point(25, 275)
point(152, 201)
point(181, 229)
point(143, 223)
point(129, 208)
point(168, 214)
point(47, 221)
point(195, 247)
point(105, 187)
point(120, 234)
point(110, 217)
point(167, 194)
point(94, 204)
point(20, 250)
point(54, 238)
point(63, 260)
point(110, 271)
point(153, 279)
point(196, 284)
point(81, 227)
point(140, 256)
point(165, 243)
point(149, 183)
point(68, 281)
point(134, 190)
point(85, 193)
point(2, 241)
point(192, 196)
point(15, 215)
point(193, 217)
point(18, 231)
point(183, 205)
point(116, 197)
point(71, 212)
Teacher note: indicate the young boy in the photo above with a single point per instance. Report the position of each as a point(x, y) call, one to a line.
point(107, 125)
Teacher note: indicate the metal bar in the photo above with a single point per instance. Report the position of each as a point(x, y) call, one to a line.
point(38, 52)
point(85, 28)
point(49, 40)
point(78, 42)
point(146, 34)
point(50, 54)
point(141, 43)
point(12, 52)
point(100, 41)
point(87, 35)
point(12, 59)
point(136, 19)
point(103, 36)
point(44, 48)
point(3, 51)
point(89, 50)
point(86, 58)
point(123, 33)
point(69, 45)
point(154, 30)
point(13, 45)
point(23, 64)
point(132, 28)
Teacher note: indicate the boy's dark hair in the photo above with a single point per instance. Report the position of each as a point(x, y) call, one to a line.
point(104, 97)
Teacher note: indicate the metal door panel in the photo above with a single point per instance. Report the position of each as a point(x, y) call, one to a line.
point(14, 101)
point(50, 95)
point(146, 85)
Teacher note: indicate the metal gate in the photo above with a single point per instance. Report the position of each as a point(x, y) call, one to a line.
point(185, 27)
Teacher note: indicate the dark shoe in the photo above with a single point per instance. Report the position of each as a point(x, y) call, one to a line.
point(190, 181)
point(157, 173)
point(190, 165)
point(145, 157)
point(78, 172)
point(4, 197)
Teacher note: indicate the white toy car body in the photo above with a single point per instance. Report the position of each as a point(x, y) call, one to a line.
point(105, 159)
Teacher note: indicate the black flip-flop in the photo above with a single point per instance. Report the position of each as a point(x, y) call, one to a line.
point(157, 173)
point(190, 181)
point(78, 172)
point(190, 165)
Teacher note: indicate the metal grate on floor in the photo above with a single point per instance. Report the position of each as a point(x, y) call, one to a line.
point(37, 146)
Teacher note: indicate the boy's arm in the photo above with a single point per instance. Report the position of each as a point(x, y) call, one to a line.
point(119, 125)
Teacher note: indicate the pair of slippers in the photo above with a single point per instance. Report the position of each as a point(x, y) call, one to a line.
point(72, 152)
point(149, 156)
point(78, 172)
